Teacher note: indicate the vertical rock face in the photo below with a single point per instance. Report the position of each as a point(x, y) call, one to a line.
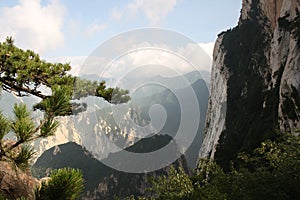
point(85, 129)
point(271, 9)
point(215, 121)
point(255, 84)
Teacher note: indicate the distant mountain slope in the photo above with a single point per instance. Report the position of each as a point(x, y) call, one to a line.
point(74, 156)
point(103, 182)
point(172, 106)
point(94, 127)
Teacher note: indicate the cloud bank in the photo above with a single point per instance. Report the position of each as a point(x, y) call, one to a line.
point(154, 10)
point(156, 59)
point(33, 25)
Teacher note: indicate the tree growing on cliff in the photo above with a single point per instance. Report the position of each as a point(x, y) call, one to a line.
point(272, 171)
point(65, 184)
point(23, 73)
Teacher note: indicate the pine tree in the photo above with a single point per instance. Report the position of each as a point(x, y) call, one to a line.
point(65, 184)
point(23, 73)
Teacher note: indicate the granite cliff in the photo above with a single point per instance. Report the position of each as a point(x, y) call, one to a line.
point(255, 80)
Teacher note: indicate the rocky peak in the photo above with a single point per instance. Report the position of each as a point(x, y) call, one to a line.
point(270, 9)
point(255, 84)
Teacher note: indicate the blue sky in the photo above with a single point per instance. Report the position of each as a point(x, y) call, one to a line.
point(69, 29)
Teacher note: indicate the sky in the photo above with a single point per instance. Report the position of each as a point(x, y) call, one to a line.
point(70, 30)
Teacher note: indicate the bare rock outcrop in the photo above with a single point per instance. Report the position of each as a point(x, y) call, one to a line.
point(255, 82)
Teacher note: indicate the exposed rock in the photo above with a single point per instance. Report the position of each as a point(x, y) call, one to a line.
point(269, 8)
point(98, 130)
point(215, 120)
point(258, 65)
point(16, 184)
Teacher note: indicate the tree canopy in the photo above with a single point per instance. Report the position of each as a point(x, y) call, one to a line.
point(24, 73)
point(271, 171)
point(65, 184)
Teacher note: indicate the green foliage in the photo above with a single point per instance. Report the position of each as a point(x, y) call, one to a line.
point(21, 198)
point(133, 198)
point(73, 156)
point(23, 73)
point(4, 126)
point(58, 104)
point(65, 184)
point(84, 88)
point(23, 157)
point(22, 125)
point(271, 171)
point(177, 184)
point(48, 128)
point(112, 95)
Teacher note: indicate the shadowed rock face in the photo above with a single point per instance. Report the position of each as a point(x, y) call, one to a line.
point(101, 181)
point(255, 84)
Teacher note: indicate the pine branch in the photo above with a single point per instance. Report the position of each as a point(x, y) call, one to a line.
point(11, 86)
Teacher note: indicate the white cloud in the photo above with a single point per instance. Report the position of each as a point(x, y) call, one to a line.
point(161, 58)
point(208, 48)
point(33, 25)
point(84, 65)
point(76, 63)
point(95, 28)
point(154, 10)
point(116, 14)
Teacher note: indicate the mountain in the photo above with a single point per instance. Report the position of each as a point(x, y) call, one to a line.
point(168, 99)
point(101, 181)
point(90, 128)
point(255, 80)
point(74, 156)
point(105, 128)
point(120, 184)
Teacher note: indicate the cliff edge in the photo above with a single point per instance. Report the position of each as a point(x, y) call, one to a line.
point(255, 80)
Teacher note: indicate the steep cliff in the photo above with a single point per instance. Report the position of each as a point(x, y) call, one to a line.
point(90, 129)
point(255, 81)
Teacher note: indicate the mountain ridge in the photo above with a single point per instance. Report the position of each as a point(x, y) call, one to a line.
point(102, 181)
